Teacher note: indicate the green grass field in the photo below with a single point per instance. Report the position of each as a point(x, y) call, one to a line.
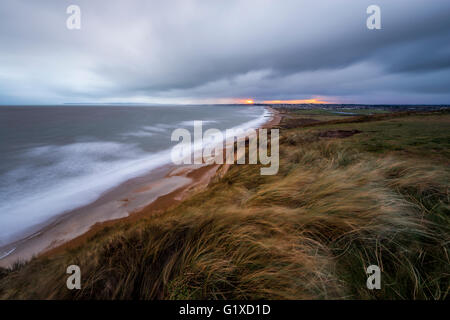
point(423, 135)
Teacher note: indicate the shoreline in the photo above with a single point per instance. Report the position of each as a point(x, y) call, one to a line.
point(142, 196)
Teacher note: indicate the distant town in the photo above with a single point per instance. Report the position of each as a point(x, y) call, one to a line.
point(343, 107)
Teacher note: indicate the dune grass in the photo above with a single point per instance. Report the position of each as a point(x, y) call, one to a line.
point(336, 207)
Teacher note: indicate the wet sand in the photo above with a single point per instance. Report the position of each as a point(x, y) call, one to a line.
point(143, 196)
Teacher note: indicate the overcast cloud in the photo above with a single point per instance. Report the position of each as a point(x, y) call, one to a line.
point(208, 51)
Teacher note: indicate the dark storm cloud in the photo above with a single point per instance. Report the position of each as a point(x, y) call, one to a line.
point(184, 51)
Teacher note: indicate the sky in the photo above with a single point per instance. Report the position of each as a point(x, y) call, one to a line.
point(216, 51)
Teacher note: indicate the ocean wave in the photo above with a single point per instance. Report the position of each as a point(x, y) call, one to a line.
point(190, 123)
point(138, 134)
point(60, 178)
point(75, 175)
point(7, 253)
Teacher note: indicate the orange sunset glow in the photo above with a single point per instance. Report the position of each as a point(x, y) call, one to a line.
point(247, 101)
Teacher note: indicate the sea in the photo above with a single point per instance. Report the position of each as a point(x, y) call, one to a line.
point(54, 159)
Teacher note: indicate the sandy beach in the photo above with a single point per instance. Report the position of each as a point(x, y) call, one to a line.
point(153, 192)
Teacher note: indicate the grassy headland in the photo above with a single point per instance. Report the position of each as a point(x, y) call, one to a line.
point(351, 192)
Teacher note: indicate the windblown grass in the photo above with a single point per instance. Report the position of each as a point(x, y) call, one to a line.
point(307, 233)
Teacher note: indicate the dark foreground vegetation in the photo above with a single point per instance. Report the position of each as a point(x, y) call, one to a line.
point(349, 194)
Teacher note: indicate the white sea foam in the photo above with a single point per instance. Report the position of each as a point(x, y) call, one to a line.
point(140, 133)
point(190, 123)
point(79, 174)
point(157, 128)
point(7, 253)
point(236, 131)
